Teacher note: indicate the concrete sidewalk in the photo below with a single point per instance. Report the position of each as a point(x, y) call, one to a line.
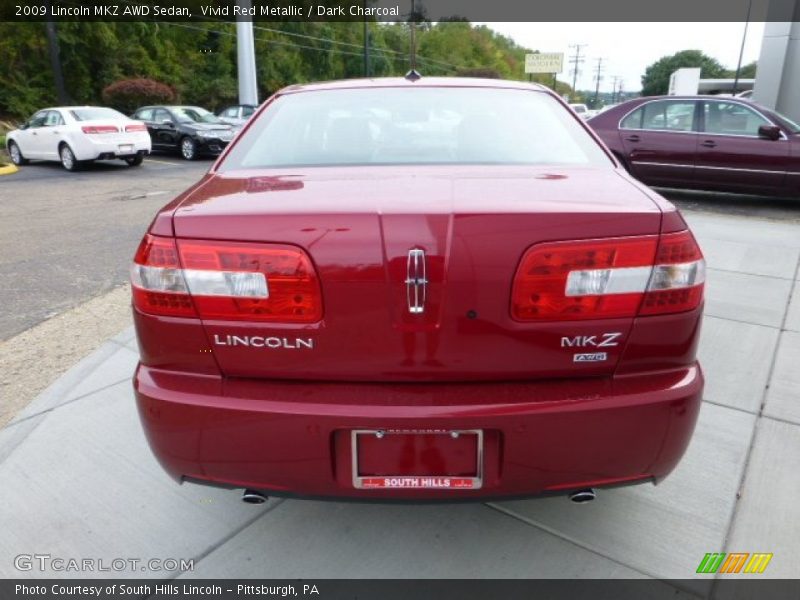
point(77, 479)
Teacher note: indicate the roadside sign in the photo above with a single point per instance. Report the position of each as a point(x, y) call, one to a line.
point(544, 62)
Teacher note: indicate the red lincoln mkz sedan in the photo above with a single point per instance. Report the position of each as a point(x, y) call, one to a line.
point(418, 289)
point(704, 142)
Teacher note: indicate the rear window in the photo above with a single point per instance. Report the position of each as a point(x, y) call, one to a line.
point(396, 126)
point(90, 114)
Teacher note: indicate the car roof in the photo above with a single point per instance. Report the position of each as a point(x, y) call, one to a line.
point(73, 107)
point(379, 82)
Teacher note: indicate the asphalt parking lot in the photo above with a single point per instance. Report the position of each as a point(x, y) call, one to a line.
point(77, 478)
point(67, 237)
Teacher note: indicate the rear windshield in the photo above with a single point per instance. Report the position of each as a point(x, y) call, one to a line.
point(397, 126)
point(90, 114)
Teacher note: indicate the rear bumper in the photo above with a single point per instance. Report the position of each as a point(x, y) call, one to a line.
point(92, 149)
point(293, 438)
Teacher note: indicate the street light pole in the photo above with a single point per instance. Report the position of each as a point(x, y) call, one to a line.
point(413, 49)
point(246, 56)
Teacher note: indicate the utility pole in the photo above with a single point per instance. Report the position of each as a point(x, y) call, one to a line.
point(366, 41)
point(597, 77)
point(614, 79)
point(55, 59)
point(576, 60)
point(246, 56)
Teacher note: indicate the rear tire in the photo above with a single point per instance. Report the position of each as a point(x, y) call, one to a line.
point(134, 161)
point(188, 148)
point(68, 160)
point(16, 154)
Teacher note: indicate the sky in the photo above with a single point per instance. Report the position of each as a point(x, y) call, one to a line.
point(628, 48)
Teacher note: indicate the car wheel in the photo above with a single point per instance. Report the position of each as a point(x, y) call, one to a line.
point(68, 160)
point(134, 161)
point(188, 148)
point(16, 154)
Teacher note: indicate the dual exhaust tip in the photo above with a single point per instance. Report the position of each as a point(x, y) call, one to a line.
point(578, 497)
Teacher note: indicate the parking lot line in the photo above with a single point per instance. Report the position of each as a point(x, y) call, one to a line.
point(164, 162)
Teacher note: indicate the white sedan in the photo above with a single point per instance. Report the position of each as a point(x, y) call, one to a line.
point(75, 135)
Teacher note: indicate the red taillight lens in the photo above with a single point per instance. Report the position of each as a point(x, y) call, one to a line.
point(135, 127)
point(92, 129)
point(607, 278)
point(157, 280)
point(230, 280)
point(678, 277)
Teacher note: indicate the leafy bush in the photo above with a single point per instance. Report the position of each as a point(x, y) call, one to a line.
point(127, 95)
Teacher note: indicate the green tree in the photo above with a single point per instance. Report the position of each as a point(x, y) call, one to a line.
point(198, 59)
point(655, 80)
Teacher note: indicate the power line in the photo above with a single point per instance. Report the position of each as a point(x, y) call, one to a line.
point(359, 47)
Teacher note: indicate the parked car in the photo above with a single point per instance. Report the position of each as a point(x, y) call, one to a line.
point(704, 142)
point(237, 115)
point(429, 289)
point(76, 135)
point(190, 130)
point(581, 110)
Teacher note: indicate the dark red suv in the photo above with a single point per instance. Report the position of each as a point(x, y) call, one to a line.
point(704, 142)
point(431, 289)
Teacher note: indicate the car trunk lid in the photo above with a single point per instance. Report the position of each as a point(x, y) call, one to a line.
point(366, 230)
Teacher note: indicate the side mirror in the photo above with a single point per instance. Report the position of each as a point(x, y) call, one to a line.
point(25, 125)
point(769, 132)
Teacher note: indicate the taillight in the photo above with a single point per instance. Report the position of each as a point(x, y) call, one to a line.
point(607, 278)
point(678, 276)
point(135, 127)
point(226, 280)
point(99, 129)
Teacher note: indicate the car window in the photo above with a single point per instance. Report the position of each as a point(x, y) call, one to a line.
point(146, 114)
point(668, 115)
point(162, 115)
point(387, 126)
point(38, 119)
point(194, 114)
point(732, 118)
point(95, 112)
point(230, 112)
point(633, 120)
point(248, 110)
point(53, 118)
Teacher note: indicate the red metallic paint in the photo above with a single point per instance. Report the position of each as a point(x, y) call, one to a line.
point(279, 419)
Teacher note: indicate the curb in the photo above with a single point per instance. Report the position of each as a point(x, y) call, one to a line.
point(8, 169)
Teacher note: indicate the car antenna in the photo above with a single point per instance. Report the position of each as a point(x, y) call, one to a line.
point(413, 75)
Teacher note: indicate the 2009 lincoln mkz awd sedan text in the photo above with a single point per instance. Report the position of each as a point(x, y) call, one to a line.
point(418, 289)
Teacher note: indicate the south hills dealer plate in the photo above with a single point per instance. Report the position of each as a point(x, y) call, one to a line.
point(417, 459)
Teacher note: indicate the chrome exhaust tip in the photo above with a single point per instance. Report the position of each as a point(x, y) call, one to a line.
point(253, 497)
point(582, 496)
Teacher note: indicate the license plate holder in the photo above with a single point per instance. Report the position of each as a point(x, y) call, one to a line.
point(439, 446)
point(125, 148)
